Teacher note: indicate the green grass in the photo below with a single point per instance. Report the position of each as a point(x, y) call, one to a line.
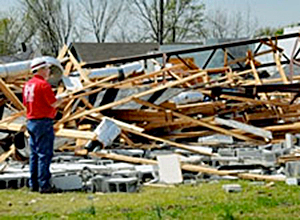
point(202, 201)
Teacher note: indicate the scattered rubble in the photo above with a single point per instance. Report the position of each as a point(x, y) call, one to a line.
point(123, 126)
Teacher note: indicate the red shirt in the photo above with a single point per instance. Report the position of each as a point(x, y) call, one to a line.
point(38, 98)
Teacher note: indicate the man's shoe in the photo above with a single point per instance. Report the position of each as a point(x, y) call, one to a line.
point(49, 190)
point(34, 189)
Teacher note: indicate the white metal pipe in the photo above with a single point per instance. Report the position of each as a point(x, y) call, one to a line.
point(15, 69)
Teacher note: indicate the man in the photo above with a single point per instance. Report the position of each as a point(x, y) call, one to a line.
point(41, 103)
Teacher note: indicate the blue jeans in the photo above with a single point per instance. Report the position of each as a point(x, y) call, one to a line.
point(41, 145)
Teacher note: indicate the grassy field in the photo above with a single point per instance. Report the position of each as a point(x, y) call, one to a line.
point(201, 201)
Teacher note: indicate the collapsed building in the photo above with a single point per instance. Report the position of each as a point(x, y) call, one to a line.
point(162, 117)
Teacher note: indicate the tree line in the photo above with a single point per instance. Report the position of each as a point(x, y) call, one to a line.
point(49, 24)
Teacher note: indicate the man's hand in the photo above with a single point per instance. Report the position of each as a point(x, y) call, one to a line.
point(61, 95)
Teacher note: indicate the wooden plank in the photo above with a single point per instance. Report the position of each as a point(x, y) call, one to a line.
point(188, 167)
point(7, 154)
point(202, 123)
point(12, 126)
point(126, 126)
point(130, 98)
point(13, 117)
point(11, 96)
point(125, 137)
point(140, 115)
point(270, 114)
point(62, 52)
point(68, 68)
point(71, 133)
point(204, 108)
point(171, 125)
point(285, 127)
point(178, 145)
point(188, 134)
point(82, 73)
point(255, 101)
point(280, 69)
point(249, 176)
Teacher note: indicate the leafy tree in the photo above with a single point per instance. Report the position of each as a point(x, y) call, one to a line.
point(268, 31)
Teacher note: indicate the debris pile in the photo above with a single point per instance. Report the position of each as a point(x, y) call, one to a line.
point(221, 122)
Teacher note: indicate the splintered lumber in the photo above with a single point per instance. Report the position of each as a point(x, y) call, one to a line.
point(178, 145)
point(244, 127)
point(202, 123)
point(135, 160)
point(204, 108)
point(255, 101)
point(280, 69)
point(138, 115)
point(188, 167)
point(287, 158)
point(285, 127)
point(11, 96)
point(71, 133)
point(250, 176)
point(124, 125)
point(7, 154)
point(13, 117)
point(171, 125)
point(62, 52)
point(12, 126)
point(78, 67)
point(190, 134)
point(130, 98)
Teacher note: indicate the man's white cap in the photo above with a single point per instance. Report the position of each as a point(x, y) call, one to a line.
point(45, 61)
point(38, 63)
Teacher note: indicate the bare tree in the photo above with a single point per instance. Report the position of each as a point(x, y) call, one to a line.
point(100, 17)
point(51, 24)
point(222, 24)
point(218, 22)
point(12, 32)
point(182, 19)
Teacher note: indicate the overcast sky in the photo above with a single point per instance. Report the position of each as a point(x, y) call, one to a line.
point(269, 13)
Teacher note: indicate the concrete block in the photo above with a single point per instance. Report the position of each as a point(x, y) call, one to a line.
point(107, 131)
point(130, 152)
point(169, 169)
point(13, 180)
point(147, 173)
point(76, 167)
point(67, 182)
point(97, 183)
point(87, 161)
point(216, 139)
point(248, 153)
point(292, 169)
point(292, 181)
point(126, 173)
point(289, 140)
point(121, 184)
point(120, 166)
point(268, 156)
point(104, 162)
point(232, 188)
point(226, 152)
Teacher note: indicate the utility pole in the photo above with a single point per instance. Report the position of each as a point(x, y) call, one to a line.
point(161, 22)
